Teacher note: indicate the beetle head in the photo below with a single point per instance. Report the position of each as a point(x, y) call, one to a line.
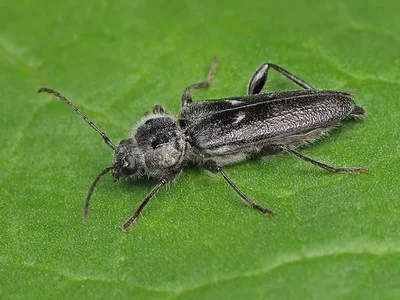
point(125, 162)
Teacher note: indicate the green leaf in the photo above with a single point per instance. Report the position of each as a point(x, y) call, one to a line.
point(334, 235)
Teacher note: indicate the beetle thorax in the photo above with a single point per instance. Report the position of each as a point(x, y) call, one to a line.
point(161, 142)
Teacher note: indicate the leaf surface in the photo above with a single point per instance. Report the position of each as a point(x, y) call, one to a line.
point(334, 235)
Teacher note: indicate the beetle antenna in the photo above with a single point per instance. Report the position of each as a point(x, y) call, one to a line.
point(89, 195)
point(106, 139)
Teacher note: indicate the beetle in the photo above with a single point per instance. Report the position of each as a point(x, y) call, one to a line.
point(219, 132)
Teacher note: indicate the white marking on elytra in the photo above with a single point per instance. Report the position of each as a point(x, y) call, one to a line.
point(235, 102)
point(239, 117)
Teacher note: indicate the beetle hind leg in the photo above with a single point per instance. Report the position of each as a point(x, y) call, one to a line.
point(322, 165)
point(259, 79)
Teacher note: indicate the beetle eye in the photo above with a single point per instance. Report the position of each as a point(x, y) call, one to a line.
point(129, 165)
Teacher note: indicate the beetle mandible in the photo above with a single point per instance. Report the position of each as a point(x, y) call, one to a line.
point(219, 132)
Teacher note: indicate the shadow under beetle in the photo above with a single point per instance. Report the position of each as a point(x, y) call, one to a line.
point(214, 133)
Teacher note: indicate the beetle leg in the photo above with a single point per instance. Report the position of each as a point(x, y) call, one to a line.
point(187, 97)
point(216, 168)
point(158, 109)
point(322, 165)
point(163, 181)
point(259, 79)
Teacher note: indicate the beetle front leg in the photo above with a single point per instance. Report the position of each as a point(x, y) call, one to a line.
point(163, 182)
point(216, 168)
point(259, 79)
point(187, 97)
point(158, 109)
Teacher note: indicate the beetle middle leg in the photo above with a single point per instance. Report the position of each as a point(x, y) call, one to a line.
point(259, 79)
point(187, 97)
point(216, 168)
point(322, 165)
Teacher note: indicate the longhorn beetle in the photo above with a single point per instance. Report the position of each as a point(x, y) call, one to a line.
point(214, 133)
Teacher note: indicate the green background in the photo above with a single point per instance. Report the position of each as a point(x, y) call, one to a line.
point(334, 235)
